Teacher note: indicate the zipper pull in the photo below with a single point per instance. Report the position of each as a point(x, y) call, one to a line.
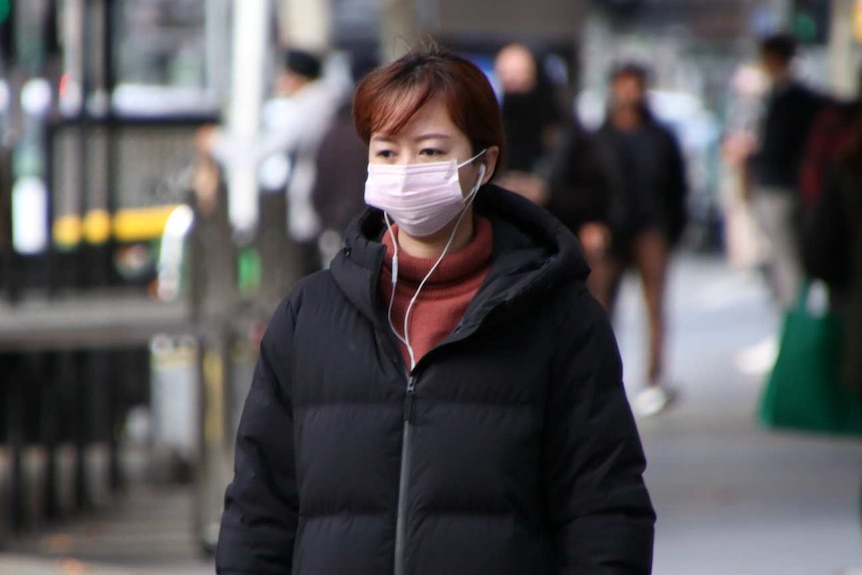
point(410, 400)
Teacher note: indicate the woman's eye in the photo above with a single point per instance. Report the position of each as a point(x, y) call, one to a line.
point(432, 152)
point(385, 154)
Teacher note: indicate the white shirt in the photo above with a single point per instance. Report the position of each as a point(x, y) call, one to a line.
point(286, 151)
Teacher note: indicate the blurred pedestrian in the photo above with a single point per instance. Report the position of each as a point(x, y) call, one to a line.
point(743, 247)
point(851, 294)
point(833, 235)
point(851, 195)
point(833, 242)
point(342, 164)
point(791, 108)
point(447, 397)
point(824, 248)
point(579, 196)
point(646, 215)
point(531, 121)
point(294, 122)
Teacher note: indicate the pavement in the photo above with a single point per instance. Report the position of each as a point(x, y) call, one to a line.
point(731, 498)
point(148, 532)
point(18, 565)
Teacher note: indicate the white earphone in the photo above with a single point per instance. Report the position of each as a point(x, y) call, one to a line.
point(406, 338)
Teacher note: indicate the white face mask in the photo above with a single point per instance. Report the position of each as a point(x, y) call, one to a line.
point(421, 198)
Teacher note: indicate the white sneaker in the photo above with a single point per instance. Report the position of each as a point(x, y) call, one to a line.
point(759, 359)
point(653, 400)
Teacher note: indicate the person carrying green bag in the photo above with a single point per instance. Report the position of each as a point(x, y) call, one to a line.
point(817, 381)
point(805, 391)
point(851, 202)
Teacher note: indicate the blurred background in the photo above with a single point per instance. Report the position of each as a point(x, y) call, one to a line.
point(142, 249)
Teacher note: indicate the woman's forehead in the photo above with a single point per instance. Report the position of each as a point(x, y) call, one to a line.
point(432, 118)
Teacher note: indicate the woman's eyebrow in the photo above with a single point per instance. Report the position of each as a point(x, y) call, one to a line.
point(389, 139)
point(433, 137)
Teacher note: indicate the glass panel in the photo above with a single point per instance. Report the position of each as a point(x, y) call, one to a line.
point(161, 42)
point(160, 59)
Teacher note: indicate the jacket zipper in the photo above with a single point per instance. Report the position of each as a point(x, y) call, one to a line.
point(409, 410)
point(403, 482)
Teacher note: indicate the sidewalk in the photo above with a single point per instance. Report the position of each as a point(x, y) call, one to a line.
point(148, 532)
point(732, 498)
point(18, 565)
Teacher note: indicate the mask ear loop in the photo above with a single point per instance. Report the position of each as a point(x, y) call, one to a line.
point(475, 191)
point(473, 159)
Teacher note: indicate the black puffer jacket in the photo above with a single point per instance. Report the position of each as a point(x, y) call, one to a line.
point(510, 449)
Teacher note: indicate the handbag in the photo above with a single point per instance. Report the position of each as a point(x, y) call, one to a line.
point(804, 391)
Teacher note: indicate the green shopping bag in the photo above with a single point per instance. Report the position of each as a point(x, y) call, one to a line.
point(804, 392)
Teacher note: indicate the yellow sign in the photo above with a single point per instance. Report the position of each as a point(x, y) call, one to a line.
point(67, 231)
point(127, 225)
point(97, 227)
point(141, 224)
point(857, 21)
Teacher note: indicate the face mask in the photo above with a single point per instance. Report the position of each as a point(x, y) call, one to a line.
point(420, 198)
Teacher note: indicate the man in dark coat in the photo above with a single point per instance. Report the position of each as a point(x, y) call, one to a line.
point(522, 457)
point(791, 109)
point(580, 188)
point(645, 213)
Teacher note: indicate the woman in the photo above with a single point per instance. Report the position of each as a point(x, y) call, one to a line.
point(447, 398)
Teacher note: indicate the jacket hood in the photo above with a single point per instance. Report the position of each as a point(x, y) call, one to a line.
point(533, 252)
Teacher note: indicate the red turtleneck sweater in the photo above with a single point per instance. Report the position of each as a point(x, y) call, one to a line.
point(447, 293)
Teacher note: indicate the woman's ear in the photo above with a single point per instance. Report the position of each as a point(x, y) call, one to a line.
point(492, 156)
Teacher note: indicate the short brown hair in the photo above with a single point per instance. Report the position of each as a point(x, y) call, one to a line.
point(630, 70)
point(781, 46)
point(387, 98)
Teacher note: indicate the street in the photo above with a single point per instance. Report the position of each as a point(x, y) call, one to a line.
point(731, 499)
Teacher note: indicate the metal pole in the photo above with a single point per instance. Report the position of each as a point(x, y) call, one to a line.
point(213, 299)
point(82, 150)
point(15, 437)
point(10, 275)
point(399, 29)
point(98, 190)
point(114, 372)
point(217, 26)
point(249, 53)
point(73, 56)
point(48, 375)
point(306, 23)
point(113, 134)
point(83, 417)
point(843, 59)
